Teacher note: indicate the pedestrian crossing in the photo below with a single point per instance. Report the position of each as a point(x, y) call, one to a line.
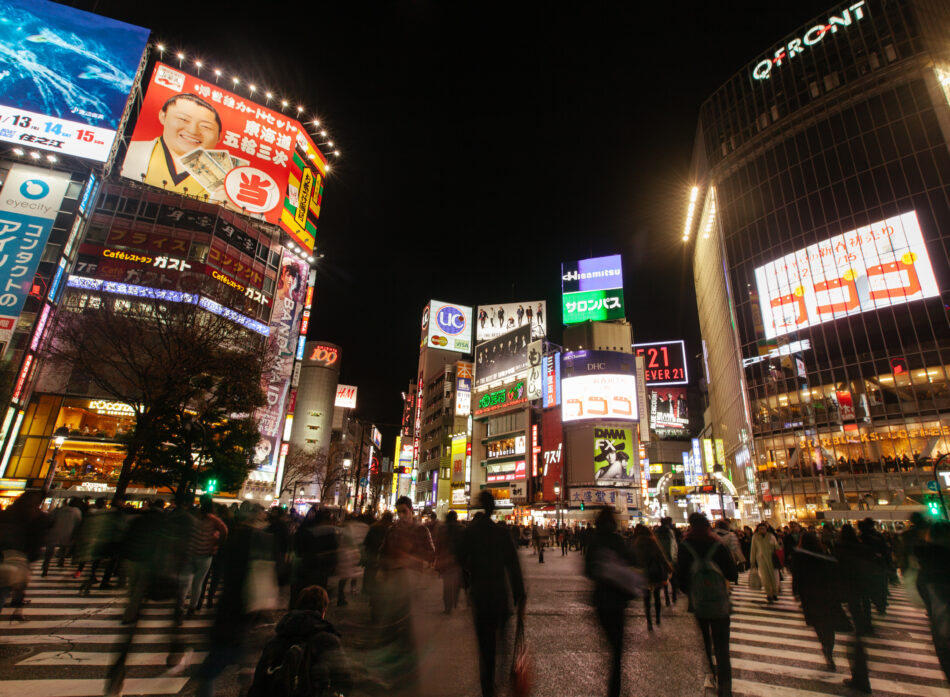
point(68, 642)
point(775, 654)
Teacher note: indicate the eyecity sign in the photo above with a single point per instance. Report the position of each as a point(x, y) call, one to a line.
point(763, 69)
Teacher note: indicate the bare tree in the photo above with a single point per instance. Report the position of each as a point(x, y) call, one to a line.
point(331, 470)
point(301, 466)
point(165, 360)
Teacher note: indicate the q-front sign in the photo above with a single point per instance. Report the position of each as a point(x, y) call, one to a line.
point(815, 35)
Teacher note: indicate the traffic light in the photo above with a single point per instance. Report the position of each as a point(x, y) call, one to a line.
point(211, 486)
point(933, 507)
point(582, 505)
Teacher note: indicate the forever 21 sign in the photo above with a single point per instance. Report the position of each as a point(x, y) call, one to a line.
point(664, 362)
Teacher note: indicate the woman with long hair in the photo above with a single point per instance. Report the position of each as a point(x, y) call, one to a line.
point(650, 558)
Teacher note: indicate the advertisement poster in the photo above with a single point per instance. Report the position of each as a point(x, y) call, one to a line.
point(67, 75)
point(592, 289)
point(502, 358)
point(29, 202)
point(491, 321)
point(345, 397)
point(284, 326)
point(196, 138)
point(599, 385)
point(668, 409)
point(459, 443)
point(448, 326)
point(613, 455)
point(879, 265)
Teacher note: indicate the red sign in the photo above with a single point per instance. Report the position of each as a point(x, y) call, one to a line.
point(324, 355)
point(552, 452)
point(195, 138)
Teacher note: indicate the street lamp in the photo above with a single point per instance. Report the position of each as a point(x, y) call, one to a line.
point(59, 437)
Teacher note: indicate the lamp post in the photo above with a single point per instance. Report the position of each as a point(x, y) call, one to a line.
point(59, 437)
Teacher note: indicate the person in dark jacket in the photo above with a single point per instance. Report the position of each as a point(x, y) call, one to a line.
point(448, 540)
point(934, 584)
point(880, 553)
point(856, 563)
point(605, 547)
point(700, 539)
point(488, 557)
point(371, 546)
point(815, 582)
point(23, 528)
point(306, 625)
point(315, 545)
point(650, 558)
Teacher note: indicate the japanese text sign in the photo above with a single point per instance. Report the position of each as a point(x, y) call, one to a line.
point(29, 202)
point(664, 362)
point(196, 138)
point(592, 289)
point(879, 265)
point(67, 77)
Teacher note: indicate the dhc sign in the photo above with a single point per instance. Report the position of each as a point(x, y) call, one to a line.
point(763, 69)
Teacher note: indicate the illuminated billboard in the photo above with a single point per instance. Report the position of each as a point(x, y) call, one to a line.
point(67, 75)
point(345, 397)
point(459, 446)
point(502, 358)
point(592, 289)
point(447, 326)
point(668, 410)
point(878, 265)
point(29, 203)
point(196, 138)
point(598, 385)
point(502, 398)
point(613, 455)
point(492, 321)
point(464, 372)
point(664, 362)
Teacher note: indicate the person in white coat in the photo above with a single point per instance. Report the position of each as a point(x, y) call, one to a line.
point(764, 545)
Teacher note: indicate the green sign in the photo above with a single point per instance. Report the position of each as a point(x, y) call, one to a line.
point(505, 397)
point(595, 305)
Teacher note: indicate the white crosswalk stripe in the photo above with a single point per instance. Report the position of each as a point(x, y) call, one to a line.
point(68, 642)
point(775, 654)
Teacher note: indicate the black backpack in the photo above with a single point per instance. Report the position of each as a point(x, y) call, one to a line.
point(284, 670)
point(708, 590)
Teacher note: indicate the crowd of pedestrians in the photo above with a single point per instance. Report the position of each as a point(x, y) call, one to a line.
point(246, 564)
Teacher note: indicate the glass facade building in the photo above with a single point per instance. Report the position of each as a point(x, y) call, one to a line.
point(820, 258)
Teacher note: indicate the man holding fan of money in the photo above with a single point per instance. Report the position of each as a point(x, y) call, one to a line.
point(182, 159)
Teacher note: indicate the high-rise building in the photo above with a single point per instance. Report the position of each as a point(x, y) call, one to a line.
point(817, 227)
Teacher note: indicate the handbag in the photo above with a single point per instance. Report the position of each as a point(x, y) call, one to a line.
point(610, 569)
point(521, 666)
point(755, 581)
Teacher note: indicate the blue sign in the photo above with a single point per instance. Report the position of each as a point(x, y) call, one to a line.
point(932, 485)
point(67, 76)
point(87, 193)
point(451, 320)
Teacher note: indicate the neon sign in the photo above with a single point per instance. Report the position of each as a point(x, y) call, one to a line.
point(763, 69)
point(505, 397)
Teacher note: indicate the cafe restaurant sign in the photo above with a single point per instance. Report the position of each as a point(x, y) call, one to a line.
point(875, 436)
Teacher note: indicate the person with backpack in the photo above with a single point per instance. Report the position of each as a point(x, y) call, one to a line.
point(650, 558)
point(606, 561)
point(704, 570)
point(306, 657)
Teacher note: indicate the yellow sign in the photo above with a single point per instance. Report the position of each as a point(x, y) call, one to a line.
point(101, 406)
point(304, 195)
point(720, 452)
point(677, 491)
point(874, 436)
point(708, 454)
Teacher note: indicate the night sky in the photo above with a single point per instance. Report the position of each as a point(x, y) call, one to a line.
point(482, 145)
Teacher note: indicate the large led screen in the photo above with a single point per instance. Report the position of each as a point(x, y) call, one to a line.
point(196, 138)
point(592, 289)
point(613, 455)
point(448, 326)
point(491, 321)
point(879, 265)
point(664, 362)
point(603, 396)
point(66, 77)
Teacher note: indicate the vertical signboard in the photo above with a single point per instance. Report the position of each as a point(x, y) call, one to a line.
point(552, 380)
point(710, 459)
point(464, 372)
point(552, 453)
point(284, 327)
point(29, 202)
point(535, 371)
point(642, 396)
point(459, 441)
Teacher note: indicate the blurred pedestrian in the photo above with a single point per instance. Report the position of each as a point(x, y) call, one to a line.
point(447, 549)
point(730, 541)
point(605, 560)
point(315, 549)
point(762, 560)
point(666, 536)
point(371, 545)
point(64, 526)
point(704, 570)
point(208, 533)
point(23, 527)
point(855, 563)
point(489, 559)
point(815, 581)
point(351, 535)
point(934, 584)
point(879, 552)
point(649, 556)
